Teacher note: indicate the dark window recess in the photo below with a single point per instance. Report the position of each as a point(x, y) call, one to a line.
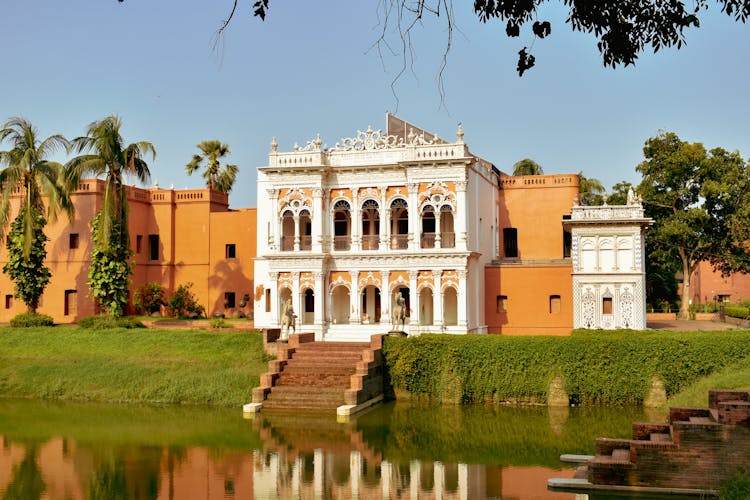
point(268, 300)
point(228, 300)
point(153, 246)
point(309, 301)
point(567, 243)
point(70, 307)
point(8, 301)
point(73, 240)
point(501, 303)
point(554, 304)
point(607, 305)
point(138, 243)
point(510, 242)
point(230, 251)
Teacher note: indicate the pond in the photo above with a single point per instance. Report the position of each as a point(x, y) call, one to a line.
point(399, 450)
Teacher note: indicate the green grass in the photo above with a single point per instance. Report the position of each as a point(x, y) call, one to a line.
point(734, 376)
point(133, 366)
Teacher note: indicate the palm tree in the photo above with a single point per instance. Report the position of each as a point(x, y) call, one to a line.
point(27, 171)
point(591, 190)
point(216, 178)
point(110, 259)
point(110, 158)
point(527, 166)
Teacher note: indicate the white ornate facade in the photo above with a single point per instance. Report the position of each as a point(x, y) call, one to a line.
point(608, 266)
point(343, 230)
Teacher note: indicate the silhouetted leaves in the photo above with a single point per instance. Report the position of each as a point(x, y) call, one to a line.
point(525, 61)
point(259, 9)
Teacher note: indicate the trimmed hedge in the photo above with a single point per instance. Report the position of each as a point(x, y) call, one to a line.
point(737, 311)
point(105, 321)
point(603, 368)
point(31, 320)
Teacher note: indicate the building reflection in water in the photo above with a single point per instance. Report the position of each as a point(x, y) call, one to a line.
point(383, 456)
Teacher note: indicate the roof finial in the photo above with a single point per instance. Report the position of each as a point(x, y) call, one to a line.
point(274, 144)
point(318, 142)
point(460, 133)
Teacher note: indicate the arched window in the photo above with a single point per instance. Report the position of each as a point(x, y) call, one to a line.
point(428, 227)
point(399, 224)
point(370, 225)
point(287, 231)
point(341, 225)
point(450, 307)
point(305, 230)
point(447, 235)
point(340, 305)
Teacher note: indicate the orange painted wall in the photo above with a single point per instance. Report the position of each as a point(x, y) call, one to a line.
point(706, 285)
point(528, 289)
point(193, 228)
point(535, 205)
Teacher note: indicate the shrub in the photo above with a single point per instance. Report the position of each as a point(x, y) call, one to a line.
point(29, 319)
point(219, 323)
point(736, 311)
point(736, 488)
point(149, 298)
point(183, 303)
point(605, 368)
point(105, 321)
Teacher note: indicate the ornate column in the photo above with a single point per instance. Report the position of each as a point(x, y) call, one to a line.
point(318, 314)
point(356, 222)
point(317, 221)
point(296, 232)
point(385, 298)
point(274, 226)
point(274, 277)
point(385, 222)
point(414, 229)
point(438, 238)
point(354, 306)
point(462, 303)
point(461, 214)
point(413, 300)
point(296, 297)
point(437, 298)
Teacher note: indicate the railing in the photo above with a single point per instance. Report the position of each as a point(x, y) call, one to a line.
point(342, 242)
point(399, 241)
point(447, 240)
point(428, 240)
point(370, 242)
point(287, 243)
point(305, 242)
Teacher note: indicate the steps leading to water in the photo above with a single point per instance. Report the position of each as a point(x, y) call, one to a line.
point(321, 376)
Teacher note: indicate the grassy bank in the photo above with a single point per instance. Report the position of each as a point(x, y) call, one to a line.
point(134, 366)
point(595, 368)
point(734, 376)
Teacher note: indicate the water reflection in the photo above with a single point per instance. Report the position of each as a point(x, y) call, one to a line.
point(72, 451)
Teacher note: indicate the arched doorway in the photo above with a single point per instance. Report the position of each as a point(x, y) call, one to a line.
point(425, 307)
point(370, 225)
point(340, 304)
point(341, 225)
point(450, 307)
point(370, 304)
point(399, 224)
point(447, 234)
point(287, 231)
point(285, 294)
point(308, 307)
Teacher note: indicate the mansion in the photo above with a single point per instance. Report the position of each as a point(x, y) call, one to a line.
point(344, 236)
point(346, 231)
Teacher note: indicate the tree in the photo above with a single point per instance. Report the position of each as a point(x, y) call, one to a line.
point(216, 178)
point(590, 190)
point(697, 198)
point(110, 259)
point(618, 195)
point(40, 182)
point(527, 166)
point(623, 28)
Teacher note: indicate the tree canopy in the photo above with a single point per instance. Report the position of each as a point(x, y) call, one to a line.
point(698, 199)
point(527, 166)
point(623, 28)
point(218, 178)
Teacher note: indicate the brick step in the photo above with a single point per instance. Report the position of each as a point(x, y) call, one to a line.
point(310, 366)
point(303, 395)
point(296, 406)
point(335, 345)
point(701, 420)
point(317, 380)
point(334, 357)
point(661, 437)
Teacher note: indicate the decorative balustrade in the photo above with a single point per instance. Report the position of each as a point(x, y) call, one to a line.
point(428, 240)
point(305, 242)
point(342, 243)
point(399, 241)
point(606, 212)
point(448, 239)
point(287, 243)
point(371, 242)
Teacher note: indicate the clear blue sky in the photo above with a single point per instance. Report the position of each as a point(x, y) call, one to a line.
point(308, 69)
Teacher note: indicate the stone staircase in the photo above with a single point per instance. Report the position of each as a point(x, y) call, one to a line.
point(698, 448)
point(320, 377)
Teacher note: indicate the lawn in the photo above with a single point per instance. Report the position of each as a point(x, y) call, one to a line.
point(131, 365)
